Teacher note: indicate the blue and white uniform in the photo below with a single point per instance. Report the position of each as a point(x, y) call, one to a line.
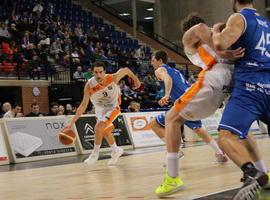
point(179, 86)
point(250, 99)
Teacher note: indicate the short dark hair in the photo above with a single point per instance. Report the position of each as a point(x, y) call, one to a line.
point(244, 1)
point(34, 104)
point(161, 55)
point(98, 64)
point(191, 20)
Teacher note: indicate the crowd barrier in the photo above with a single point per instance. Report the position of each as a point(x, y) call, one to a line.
point(36, 138)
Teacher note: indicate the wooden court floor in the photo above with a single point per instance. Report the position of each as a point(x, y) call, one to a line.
point(135, 177)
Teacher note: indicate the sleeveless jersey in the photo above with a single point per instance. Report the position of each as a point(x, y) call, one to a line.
point(104, 96)
point(218, 70)
point(179, 86)
point(254, 67)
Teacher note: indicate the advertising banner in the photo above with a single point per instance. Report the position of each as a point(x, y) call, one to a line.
point(37, 138)
point(142, 135)
point(85, 129)
point(3, 151)
point(210, 124)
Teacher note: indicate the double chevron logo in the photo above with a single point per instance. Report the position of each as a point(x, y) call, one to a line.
point(88, 129)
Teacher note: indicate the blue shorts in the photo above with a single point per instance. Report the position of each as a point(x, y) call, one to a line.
point(243, 108)
point(160, 119)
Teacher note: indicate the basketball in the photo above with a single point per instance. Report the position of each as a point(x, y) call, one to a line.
point(67, 136)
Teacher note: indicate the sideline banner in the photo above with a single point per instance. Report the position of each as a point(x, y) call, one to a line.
point(85, 129)
point(210, 124)
point(37, 138)
point(3, 151)
point(141, 134)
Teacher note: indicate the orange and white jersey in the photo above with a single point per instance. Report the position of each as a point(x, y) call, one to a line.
point(218, 70)
point(205, 96)
point(104, 96)
point(204, 57)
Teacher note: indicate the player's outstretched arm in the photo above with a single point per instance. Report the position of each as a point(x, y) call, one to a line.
point(82, 106)
point(121, 73)
point(162, 74)
point(223, 39)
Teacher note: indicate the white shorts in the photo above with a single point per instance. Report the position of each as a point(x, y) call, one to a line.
point(107, 115)
point(201, 99)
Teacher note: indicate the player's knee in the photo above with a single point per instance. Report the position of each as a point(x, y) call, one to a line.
point(224, 135)
point(99, 128)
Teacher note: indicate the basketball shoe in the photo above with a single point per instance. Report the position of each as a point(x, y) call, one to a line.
point(169, 186)
point(221, 158)
point(91, 159)
point(115, 156)
point(267, 187)
point(251, 186)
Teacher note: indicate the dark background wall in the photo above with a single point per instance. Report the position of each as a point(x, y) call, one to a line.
point(168, 14)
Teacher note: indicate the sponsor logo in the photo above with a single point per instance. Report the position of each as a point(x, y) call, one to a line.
point(139, 124)
point(3, 158)
point(88, 129)
point(55, 125)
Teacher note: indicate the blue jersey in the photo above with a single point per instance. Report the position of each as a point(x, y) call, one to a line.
point(179, 86)
point(254, 67)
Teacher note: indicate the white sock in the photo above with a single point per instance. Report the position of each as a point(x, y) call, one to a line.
point(260, 165)
point(163, 139)
point(96, 149)
point(114, 147)
point(172, 164)
point(213, 144)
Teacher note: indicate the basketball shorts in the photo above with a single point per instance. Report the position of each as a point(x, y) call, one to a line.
point(160, 119)
point(247, 104)
point(108, 115)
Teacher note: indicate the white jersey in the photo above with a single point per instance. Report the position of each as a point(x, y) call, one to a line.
point(104, 96)
point(219, 71)
point(205, 96)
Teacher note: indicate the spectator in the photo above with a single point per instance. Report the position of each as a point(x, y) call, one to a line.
point(38, 8)
point(134, 107)
point(4, 34)
point(78, 76)
point(34, 111)
point(25, 42)
point(139, 54)
point(61, 110)
point(6, 108)
point(150, 83)
point(69, 109)
point(75, 56)
point(87, 75)
point(34, 67)
point(14, 33)
point(56, 49)
point(12, 113)
point(53, 109)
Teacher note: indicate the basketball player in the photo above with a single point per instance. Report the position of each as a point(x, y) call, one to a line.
point(250, 99)
point(202, 99)
point(175, 87)
point(104, 93)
